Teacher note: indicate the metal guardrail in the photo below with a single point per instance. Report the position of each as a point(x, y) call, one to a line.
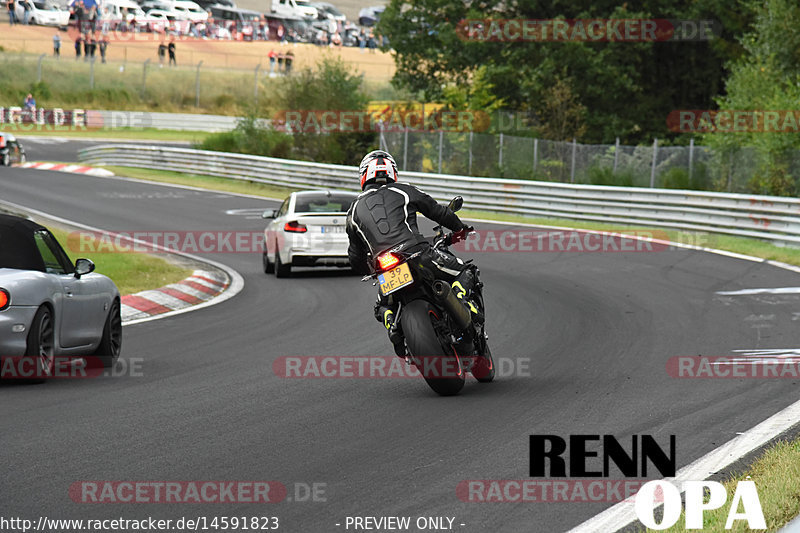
point(765, 217)
point(160, 121)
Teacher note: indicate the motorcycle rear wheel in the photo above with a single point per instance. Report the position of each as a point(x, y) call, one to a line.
point(442, 371)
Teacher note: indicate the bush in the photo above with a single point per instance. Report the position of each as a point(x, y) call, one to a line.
point(607, 176)
point(331, 87)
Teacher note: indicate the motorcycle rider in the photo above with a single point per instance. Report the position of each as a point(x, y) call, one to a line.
point(383, 217)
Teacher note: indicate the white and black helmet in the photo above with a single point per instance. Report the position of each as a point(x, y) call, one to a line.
point(377, 165)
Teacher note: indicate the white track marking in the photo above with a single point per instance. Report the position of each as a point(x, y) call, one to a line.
point(623, 513)
point(236, 280)
point(745, 292)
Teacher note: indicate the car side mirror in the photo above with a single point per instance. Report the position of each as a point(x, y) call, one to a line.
point(456, 203)
point(269, 213)
point(83, 266)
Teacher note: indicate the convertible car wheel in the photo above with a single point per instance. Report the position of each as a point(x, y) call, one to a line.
point(6, 160)
point(111, 343)
point(41, 344)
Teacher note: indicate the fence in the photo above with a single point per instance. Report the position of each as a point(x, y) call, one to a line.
point(507, 156)
point(772, 218)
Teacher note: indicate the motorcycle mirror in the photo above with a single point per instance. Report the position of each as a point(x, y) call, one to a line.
point(456, 203)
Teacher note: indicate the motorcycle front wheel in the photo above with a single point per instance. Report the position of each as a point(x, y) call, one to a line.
point(441, 370)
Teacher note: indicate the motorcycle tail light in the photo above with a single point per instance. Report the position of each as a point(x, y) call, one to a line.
point(295, 227)
point(387, 260)
point(5, 299)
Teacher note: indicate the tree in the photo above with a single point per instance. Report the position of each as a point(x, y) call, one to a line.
point(627, 88)
point(767, 78)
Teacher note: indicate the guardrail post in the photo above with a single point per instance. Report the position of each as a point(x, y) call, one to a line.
point(91, 74)
point(653, 166)
point(535, 155)
point(197, 85)
point(255, 87)
point(500, 155)
point(469, 169)
point(691, 158)
point(616, 154)
point(405, 149)
point(39, 69)
point(730, 174)
point(441, 138)
point(144, 76)
point(574, 152)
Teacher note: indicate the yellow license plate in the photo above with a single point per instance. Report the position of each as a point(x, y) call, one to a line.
point(396, 278)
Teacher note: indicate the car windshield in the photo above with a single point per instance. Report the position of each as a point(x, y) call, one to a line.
point(323, 203)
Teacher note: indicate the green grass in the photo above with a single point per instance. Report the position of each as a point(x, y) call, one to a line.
point(66, 84)
point(205, 182)
point(132, 272)
point(148, 134)
point(777, 478)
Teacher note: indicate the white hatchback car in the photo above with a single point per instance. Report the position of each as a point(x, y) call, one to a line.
point(307, 230)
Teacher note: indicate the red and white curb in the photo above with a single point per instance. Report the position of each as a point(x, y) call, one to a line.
point(66, 167)
point(200, 287)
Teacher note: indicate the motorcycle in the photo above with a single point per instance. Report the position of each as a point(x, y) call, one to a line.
point(442, 337)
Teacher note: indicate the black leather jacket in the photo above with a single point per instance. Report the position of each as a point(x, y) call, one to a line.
point(385, 216)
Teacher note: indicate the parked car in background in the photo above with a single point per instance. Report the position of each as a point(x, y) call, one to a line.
point(307, 230)
point(43, 13)
point(11, 151)
point(159, 20)
point(127, 10)
point(294, 8)
point(369, 16)
point(190, 10)
point(328, 11)
point(50, 307)
point(243, 20)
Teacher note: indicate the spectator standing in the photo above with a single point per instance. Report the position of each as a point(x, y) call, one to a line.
point(162, 52)
point(92, 48)
point(288, 61)
point(26, 13)
point(362, 41)
point(105, 21)
point(103, 47)
point(171, 48)
point(271, 55)
point(77, 9)
point(57, 45)
point(93, 18)
point(12, 16)
point(371, 44)
point(30, 103)
point(78, 46)
point(281, 33)
point(280, 61)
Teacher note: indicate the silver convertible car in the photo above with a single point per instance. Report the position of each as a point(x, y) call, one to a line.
point(51, 309)
point(307, 230)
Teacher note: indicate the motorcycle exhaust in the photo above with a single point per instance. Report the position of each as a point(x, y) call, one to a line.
point(451, 303)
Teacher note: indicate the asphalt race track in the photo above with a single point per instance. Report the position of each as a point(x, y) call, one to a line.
point(596, 329)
